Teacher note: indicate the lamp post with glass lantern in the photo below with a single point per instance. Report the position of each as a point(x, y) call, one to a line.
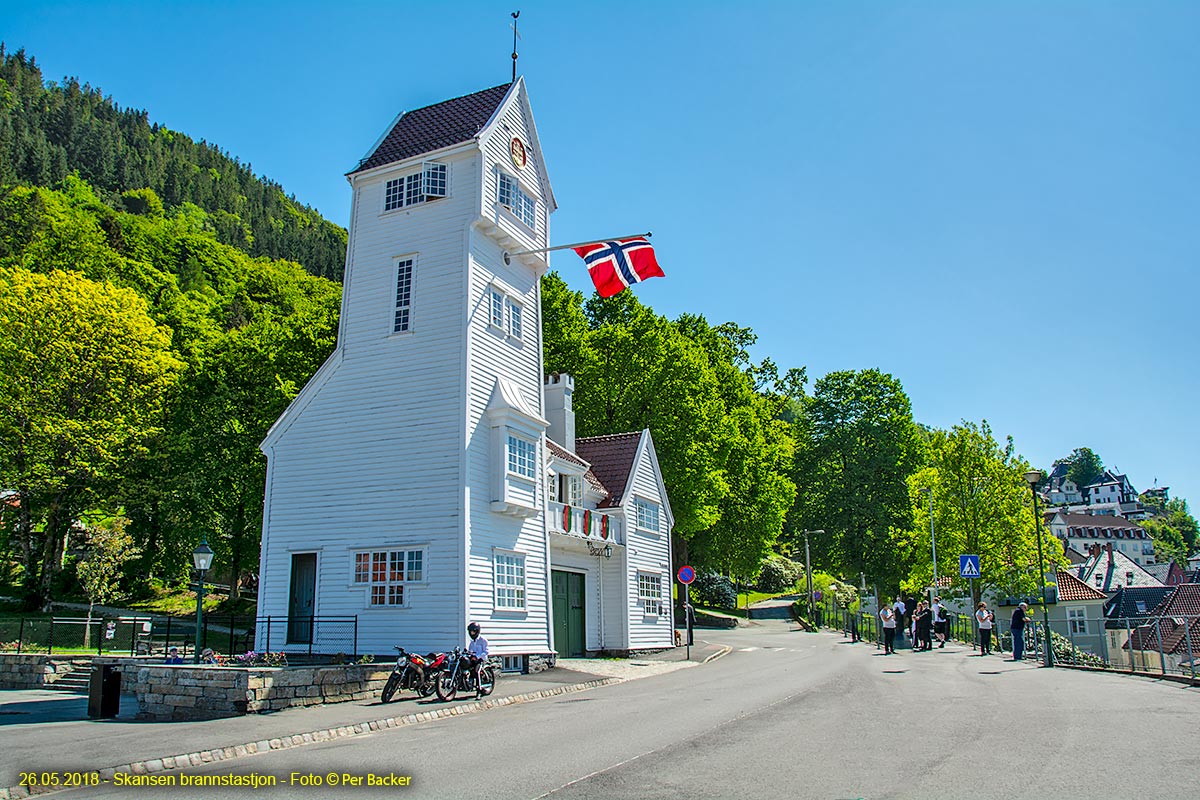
point(1033, 477)
point(202, 558)
point(932, 540)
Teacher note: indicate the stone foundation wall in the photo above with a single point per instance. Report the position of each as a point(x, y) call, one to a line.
point(172, 692)
point(30, 672)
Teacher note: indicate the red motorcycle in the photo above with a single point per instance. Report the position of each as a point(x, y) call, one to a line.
point(414, 672)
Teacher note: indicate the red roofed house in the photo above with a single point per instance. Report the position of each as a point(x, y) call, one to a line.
point(1078, 613)
point(1170, 637)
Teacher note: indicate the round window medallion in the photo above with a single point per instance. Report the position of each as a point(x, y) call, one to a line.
point(517, 151)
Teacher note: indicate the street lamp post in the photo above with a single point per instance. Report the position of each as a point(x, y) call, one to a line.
point(1033, 478)
point(932, 540)
point(202, 558)
point(808, 570)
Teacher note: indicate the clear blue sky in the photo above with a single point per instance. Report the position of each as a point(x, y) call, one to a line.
point(996, 202)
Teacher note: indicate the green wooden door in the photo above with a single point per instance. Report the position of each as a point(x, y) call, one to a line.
point(567, 591)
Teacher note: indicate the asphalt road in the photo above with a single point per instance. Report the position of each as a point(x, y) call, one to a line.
point(786, 714)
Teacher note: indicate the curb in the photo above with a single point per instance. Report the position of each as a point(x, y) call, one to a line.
point(724, 651)
point(183, 761)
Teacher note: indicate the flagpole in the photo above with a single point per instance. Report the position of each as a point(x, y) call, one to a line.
point(508, 255)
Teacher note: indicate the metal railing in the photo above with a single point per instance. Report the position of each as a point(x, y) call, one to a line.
point(1163, 646)
point(153, 635)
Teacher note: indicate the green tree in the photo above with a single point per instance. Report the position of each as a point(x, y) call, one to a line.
point(1084, 467)
point(84, 372)
point(109, 547)
point(857, 446)
point(981, 505)
point(1174, 532)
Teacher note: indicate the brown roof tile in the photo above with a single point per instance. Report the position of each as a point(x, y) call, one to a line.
point(611, 458)
point(1071, 588)
point(434, 127)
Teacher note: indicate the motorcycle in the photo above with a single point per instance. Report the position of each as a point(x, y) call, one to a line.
point(414, 672)
point(458, 676)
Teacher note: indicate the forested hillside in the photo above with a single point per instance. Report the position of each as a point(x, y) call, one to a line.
point(50, 130)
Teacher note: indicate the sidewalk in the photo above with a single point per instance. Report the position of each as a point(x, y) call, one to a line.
point(43, 730)
point(47, 730)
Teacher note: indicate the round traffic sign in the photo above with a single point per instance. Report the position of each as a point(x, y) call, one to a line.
point(686, 575)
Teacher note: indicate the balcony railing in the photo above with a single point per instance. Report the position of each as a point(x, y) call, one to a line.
point(586, 523)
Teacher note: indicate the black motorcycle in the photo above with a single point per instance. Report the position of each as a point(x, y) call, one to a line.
point(414, 672)
point(459, 676)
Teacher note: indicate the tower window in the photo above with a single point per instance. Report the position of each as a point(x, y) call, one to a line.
point(513, 197)
point(427, 184)
point(404, 276)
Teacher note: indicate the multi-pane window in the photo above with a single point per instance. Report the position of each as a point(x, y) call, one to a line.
point(404, 278)
point(514, 198)
point(522, 456)
point(496, 308)
point(574, 492)
point(646, 514)
point(650, 594)
point(510, 581)
point(387, 571)
point(428, 184)
point(1077, 617)
point(515, 316)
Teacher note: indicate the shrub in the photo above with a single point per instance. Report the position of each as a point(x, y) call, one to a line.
point(778, 574)
point(711, 589)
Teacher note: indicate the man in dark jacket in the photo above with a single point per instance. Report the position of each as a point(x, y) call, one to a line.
point(1017, 626)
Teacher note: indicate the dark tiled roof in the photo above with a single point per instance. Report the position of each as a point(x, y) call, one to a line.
point(559, 451)
point(434, 127)
point(611, 458)
point(1124, 603)
point(1098, 521)
point(1071, 588)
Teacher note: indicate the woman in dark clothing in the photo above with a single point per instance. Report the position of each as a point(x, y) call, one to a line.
point(924, 620)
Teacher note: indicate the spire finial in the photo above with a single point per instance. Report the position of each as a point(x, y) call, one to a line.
point(516, 36)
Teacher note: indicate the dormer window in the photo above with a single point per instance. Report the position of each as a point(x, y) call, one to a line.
point(513, 197)
point(408, 190)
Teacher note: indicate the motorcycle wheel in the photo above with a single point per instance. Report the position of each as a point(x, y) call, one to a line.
point(446, 686)
point(389, 688)
point(426, 688)
point(487, 680)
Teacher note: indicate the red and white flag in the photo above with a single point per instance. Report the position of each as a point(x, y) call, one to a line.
point(617, 265)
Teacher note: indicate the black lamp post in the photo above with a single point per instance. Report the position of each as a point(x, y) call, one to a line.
point(202, 558)
point(1033, 478)
point(808, 571)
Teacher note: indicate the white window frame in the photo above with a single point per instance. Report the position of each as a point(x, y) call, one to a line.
point(402, 310)
point(375, 570)
point(1077, 620)
point(514, 462)
point(497, 304)
point(644, 507)
point(512, 195)
point(430, 182)
point(574, 486)
point(650, 593)
point(507, 567)
point(516, 317)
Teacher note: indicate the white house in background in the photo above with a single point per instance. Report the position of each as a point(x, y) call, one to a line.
point(1081, 531)
point(410, 483)
point(1061, 490)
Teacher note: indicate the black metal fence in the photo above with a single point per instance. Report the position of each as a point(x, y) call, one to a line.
point(153, 635)
point(1162, 646)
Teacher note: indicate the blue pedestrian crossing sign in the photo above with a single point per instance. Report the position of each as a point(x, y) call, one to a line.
point(968, 566)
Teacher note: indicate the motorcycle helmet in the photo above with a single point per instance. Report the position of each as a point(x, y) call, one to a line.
point(473, 629)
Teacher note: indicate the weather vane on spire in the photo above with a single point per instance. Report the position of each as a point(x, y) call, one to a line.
point(516, 36)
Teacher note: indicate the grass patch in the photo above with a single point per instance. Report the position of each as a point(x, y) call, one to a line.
point(750, 598)
point(182, 603)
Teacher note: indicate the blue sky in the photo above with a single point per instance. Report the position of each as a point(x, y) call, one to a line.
point(995, 202)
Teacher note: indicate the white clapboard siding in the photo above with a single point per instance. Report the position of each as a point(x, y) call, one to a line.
point(648, 551)
point(514, 120)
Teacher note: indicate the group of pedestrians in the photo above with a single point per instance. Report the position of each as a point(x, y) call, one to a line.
point(928, 620)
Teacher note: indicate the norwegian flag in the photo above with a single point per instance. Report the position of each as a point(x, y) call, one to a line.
point(617, 265)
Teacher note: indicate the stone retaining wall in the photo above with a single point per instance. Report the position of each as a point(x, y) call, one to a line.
point(172, 692)
point(30, 671)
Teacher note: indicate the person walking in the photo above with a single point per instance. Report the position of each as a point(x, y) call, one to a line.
point(941, 622)
point(898, 608)
point(887, 616)
point(924, 625)
point(985, 619)
point(1017, 626)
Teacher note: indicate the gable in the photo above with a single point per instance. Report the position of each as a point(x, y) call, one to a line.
point(513, 119)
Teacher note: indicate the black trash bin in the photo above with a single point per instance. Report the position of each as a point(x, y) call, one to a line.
point(104, 692)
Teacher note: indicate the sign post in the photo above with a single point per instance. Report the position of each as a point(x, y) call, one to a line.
point(968, 567)
point(686, 575)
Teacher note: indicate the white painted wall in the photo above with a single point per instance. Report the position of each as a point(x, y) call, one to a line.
point(648, 551)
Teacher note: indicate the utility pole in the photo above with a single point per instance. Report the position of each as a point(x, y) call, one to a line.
point(932, 541)
point(808, 570)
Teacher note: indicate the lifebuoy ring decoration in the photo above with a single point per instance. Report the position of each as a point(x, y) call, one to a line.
point(567, 519)
point(587, 522)
point(604, 526)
